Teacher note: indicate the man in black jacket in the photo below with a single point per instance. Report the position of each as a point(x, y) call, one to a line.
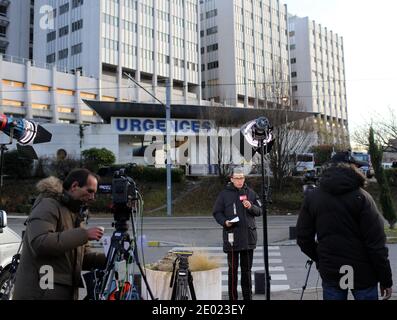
point(341, 229)
point(235, 210)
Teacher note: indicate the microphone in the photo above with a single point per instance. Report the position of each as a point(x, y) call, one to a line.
point(243, 196)
point(24, 131)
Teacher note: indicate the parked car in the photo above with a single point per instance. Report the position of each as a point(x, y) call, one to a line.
point(9, 245)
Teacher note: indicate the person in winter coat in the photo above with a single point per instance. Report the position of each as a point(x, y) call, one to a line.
point(341, 230)
point(54, 251)
point(239, 238)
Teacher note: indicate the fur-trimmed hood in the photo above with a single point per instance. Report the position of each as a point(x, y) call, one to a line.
point(50, 187)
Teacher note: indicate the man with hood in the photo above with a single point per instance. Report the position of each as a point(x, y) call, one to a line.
point(341, 230)
point(54, 251)
point(241, 204)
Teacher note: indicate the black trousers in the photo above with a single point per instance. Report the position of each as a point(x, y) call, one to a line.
point(246, 258)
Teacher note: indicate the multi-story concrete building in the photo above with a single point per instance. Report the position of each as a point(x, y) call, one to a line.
point(16, 28)
point(244, 49)
point(318, 78)
point(41, 92)
point(151, 40)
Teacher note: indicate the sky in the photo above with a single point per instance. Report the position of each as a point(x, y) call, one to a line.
point(370, 45)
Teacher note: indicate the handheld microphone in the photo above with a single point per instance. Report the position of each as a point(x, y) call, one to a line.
point(243, 196)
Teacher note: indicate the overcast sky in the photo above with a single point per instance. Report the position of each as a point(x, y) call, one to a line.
point(370, 50)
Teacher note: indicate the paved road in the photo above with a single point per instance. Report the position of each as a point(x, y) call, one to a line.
point(289, 270)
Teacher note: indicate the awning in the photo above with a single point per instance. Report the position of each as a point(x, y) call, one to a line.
point(222, 115)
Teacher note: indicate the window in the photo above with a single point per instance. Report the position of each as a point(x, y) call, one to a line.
point(212, 47)
point(77, 3)
point(294, 88)
point(88, 113)
point(51, 58)
point(65, 92)
point(213, 65)
point(212, 13)
point(77, 25)
point(212, 30)
point(12, 103)
point(63, 54)
point(293, 60)
point(88, 96)
point(292, 46)
point(106, 98)
point(65, 110)
point(12, 83)
point(38, 87)
point(51, 36)
point(63, 31)
point(39, 106)
point(76, 49)
point(294, 74)
point(64, 8)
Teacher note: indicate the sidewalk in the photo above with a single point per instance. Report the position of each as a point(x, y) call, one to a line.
point(313, 294)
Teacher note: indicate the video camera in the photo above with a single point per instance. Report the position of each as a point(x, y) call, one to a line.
point(124, 193)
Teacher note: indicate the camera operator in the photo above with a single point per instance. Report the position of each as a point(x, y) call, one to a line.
point(239, 238)
point(54, 251)
point(349, 231)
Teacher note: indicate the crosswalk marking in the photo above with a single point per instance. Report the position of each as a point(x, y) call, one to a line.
point(270, 248)
point(277, 271)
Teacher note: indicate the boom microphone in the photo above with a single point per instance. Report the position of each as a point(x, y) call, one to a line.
point(24, 131)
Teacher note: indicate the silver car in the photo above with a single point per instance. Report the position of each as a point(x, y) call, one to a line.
point(9, 245)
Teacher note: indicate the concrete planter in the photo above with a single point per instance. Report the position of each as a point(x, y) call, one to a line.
point(207, 284)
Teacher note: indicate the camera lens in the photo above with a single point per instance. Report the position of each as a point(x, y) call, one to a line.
point(262, 124)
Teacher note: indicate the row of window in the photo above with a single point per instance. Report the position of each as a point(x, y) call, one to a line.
point(77, 25)
point(65, 7)
point(64, 53)
point(210, 31)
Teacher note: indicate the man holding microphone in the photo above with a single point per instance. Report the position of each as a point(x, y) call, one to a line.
point(235, 210)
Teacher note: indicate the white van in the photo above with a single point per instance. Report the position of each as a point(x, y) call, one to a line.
point(9, 245)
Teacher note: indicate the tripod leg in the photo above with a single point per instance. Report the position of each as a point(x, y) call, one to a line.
point(310, 262)
point(174, 287)
point(191, 287)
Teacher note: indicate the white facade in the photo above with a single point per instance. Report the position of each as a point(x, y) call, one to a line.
point(42, 93)
point(16, 28)
point(150, 40)
point(318, 77)
point(245, 60)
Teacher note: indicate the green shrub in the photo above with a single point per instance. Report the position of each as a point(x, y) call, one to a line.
point(391, 176)
point(95, 158)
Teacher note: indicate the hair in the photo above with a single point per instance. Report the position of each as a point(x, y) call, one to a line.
point(80, 176)
point(237, 170)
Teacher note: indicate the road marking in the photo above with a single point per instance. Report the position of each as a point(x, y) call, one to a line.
point(274, 277)
point(273, 288)
point(277, 271)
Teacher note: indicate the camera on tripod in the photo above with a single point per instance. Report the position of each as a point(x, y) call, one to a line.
point(123, 190)
point(182, 279)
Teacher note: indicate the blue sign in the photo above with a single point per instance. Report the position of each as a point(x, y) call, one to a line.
point(142, 125)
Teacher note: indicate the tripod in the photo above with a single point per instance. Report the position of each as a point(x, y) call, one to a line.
point(120, 249)
point(309, 264)
point(182, 279)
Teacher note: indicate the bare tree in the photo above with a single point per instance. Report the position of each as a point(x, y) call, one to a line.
point(385, 130)
point(291, 138)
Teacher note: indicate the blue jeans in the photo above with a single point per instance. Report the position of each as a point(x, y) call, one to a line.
point(331, 292)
